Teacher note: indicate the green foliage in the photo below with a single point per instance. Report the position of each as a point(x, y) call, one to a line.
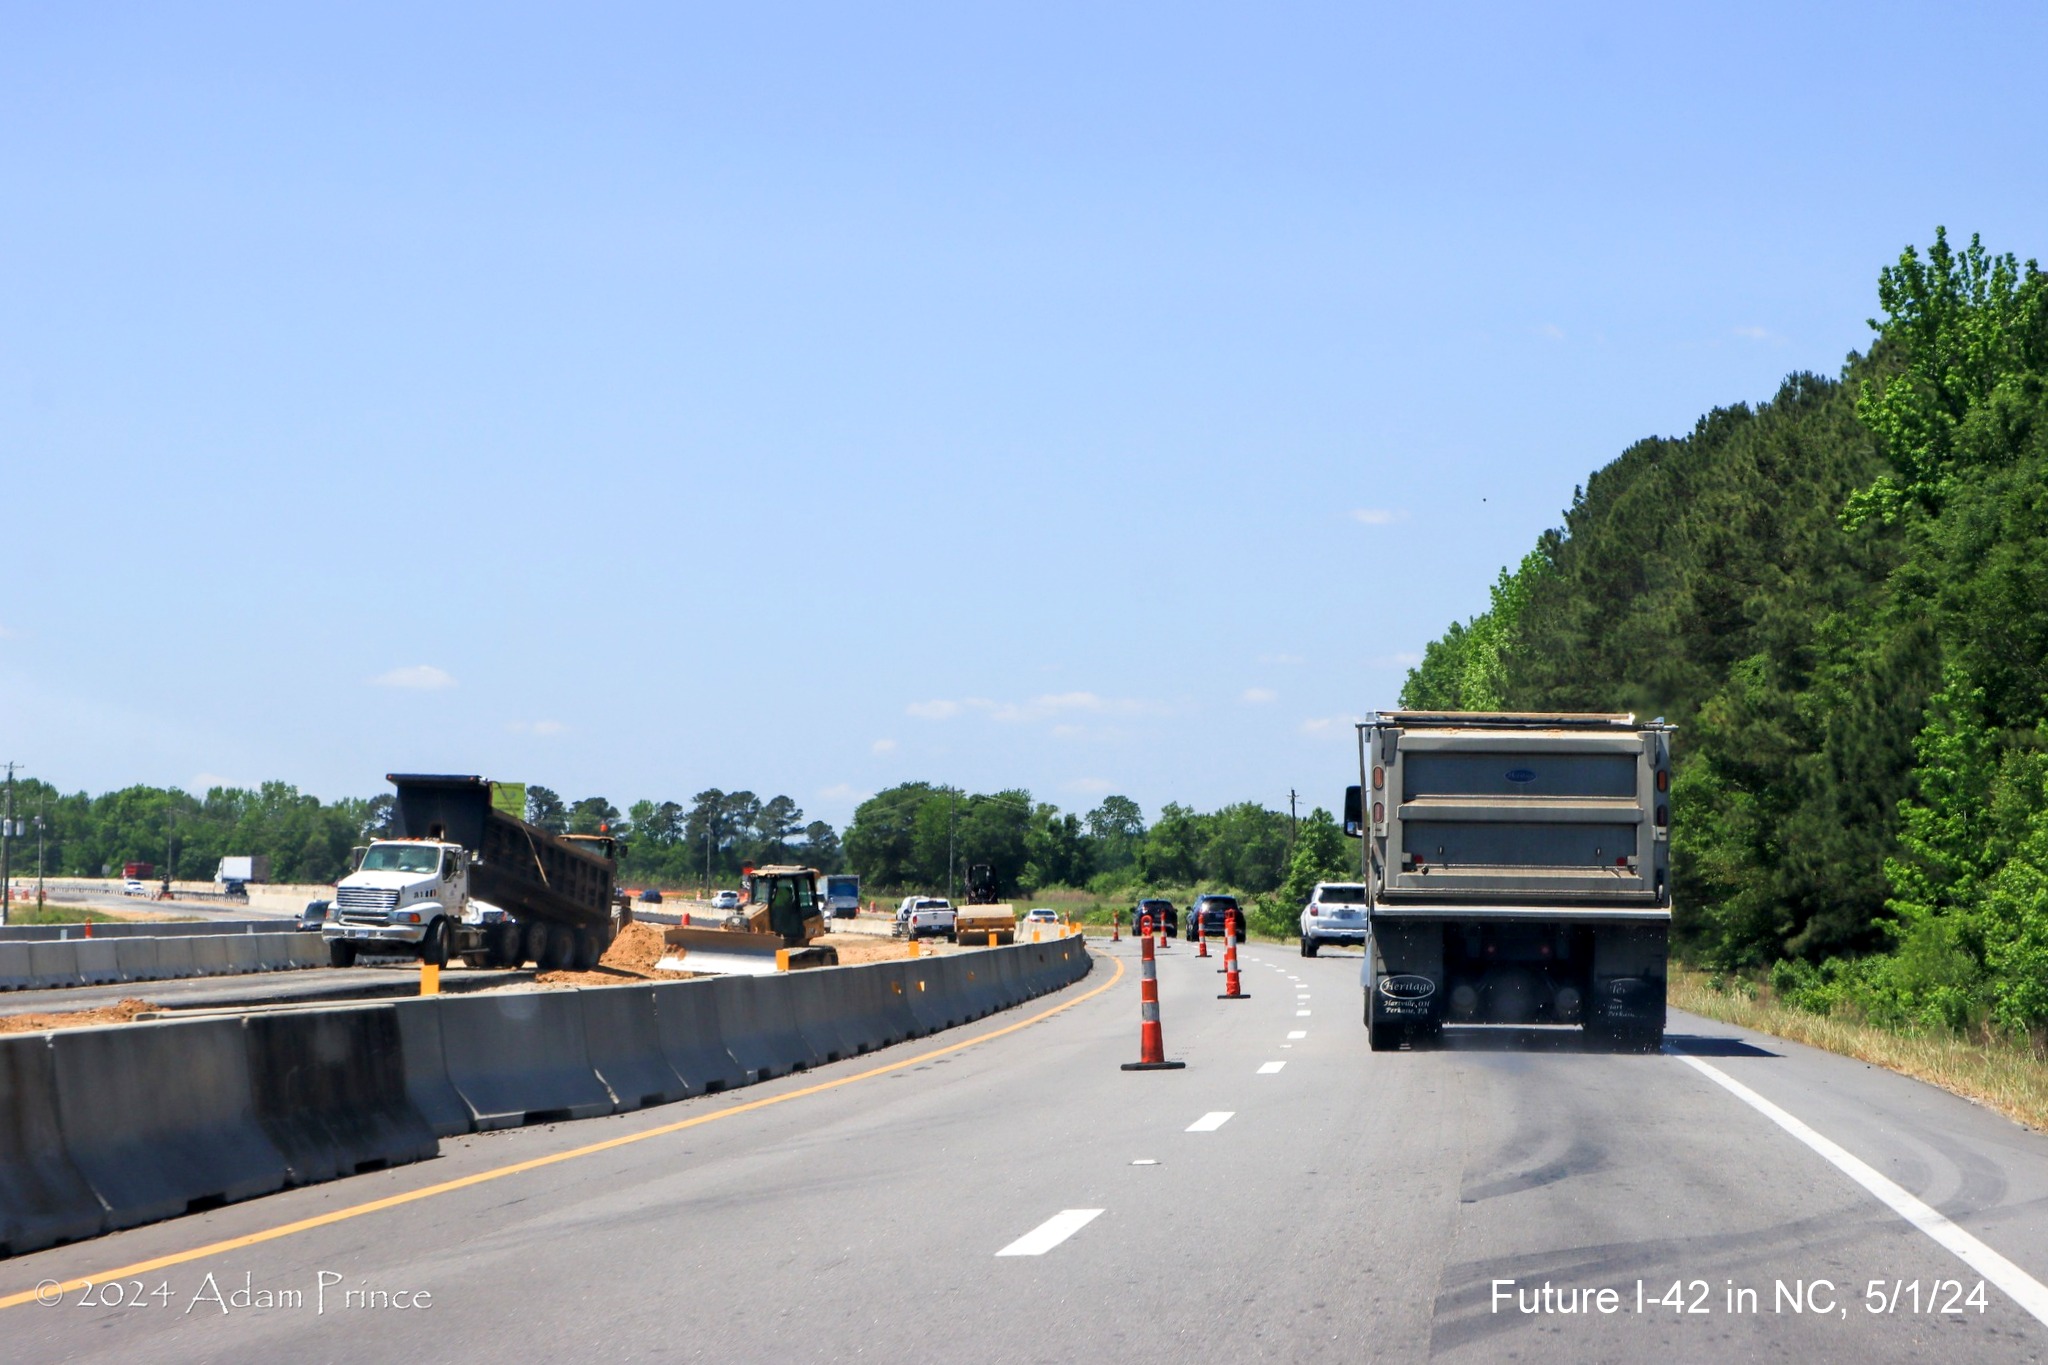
point(1841, 597)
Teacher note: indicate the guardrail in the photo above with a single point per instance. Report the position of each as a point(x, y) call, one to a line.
point(107, 1128)
point(46, 964)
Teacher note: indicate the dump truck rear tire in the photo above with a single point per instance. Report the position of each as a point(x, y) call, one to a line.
point(588, 950)
point(536, 946)
point(341, 953)
point(559, 950)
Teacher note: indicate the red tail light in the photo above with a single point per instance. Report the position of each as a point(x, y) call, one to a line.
point(1621, 862)
point(1379, 777)
point(1379, 813)
point(1663, 779)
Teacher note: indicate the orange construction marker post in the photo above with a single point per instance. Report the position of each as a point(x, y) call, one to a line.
point(430, 978)
point(1116, 926)
point(1232, 989)
point(1151, 1043)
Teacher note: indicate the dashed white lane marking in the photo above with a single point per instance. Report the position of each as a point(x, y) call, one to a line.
point(1298, 1033)
point(2022, 1288)
point(1268, 1068)
point(1301, 1014)
point(1145, 1161)
point(1051, 1232)
point(1210, 1122)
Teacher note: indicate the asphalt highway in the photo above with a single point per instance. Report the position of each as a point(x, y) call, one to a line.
point(1288, 1196)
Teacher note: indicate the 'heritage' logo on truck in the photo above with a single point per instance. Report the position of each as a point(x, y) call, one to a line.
point(1522, 775)
point(1407, 987)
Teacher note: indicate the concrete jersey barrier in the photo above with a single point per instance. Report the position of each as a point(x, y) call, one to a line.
point(107, 1128)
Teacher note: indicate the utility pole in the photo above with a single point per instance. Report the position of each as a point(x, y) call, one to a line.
point(707, 860)
point(42, 810)
point(1292, 822)
point(6, 843)
point(952, 805)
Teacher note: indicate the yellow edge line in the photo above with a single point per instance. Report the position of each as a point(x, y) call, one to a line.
point(427, 1192)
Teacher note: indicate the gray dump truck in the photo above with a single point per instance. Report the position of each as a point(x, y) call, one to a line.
point(1517, 870)
point(460, 878)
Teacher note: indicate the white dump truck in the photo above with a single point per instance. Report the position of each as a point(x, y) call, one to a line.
point(1517, 871)
point(460, 878)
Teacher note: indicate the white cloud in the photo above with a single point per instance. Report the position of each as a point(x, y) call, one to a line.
point(1758, 334)
point(884, 746)
point(933, 710)
point(536, 727)
point(1089, 784)
point(1325, 727)
point(1259, 696)
point(1377, 516)
point(840, 791)
point(418, 677)
point(1399, 659)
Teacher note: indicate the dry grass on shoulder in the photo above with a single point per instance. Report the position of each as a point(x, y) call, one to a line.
point(1996, 1072)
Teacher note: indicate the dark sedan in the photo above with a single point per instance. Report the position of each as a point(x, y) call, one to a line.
point(1162, 912)
point(1211, 913)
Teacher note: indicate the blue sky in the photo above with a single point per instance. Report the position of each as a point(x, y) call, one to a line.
point(637, 399)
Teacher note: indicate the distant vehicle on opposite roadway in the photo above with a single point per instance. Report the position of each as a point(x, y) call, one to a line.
point(138, 872)
point(1518, 871)
point(840, 892)
point(651, 896)
point(925, 917)
point(1335, 913)
point(240, 870)
point(134, 887)
point(1211, 916)
point(1038, 919)
point(725, 900)
point(1162, 913)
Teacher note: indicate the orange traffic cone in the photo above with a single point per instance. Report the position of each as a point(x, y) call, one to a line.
point(1232, 989)
point(1151, 1043)
point(1116, 926)
point(1201, 939)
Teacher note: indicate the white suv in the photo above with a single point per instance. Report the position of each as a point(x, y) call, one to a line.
point(1335, 913)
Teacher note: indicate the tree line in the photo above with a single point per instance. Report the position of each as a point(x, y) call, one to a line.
point(918, 836)
point(1841, 597)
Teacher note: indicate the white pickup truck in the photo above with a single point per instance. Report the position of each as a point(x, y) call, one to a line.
point(925, 917)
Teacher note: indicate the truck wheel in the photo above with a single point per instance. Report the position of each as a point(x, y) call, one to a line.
point(341, 953)
point(536, 947)
point(560, 950)
point(1309, 945)
point(434, 947)
point(588, 950)
point(1386, 1037)
point(504, 939)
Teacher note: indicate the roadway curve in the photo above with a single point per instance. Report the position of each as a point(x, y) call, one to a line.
point(1353, 1205)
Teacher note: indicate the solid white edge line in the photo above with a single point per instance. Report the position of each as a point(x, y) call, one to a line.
point(1212, 1120)
point(2022, 1288)
point(1051, 1232)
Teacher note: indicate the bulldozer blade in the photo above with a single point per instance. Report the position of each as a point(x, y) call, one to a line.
point(720, 952)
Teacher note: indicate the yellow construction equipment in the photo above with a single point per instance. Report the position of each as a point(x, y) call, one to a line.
point(779, 919)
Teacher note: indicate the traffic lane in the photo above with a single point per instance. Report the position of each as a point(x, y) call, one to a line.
point(568, 1253)
point(1979, 1168)
point(1590, 1169)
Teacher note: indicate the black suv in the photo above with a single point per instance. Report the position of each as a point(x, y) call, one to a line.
point(1209, 912)
point(1158, 910)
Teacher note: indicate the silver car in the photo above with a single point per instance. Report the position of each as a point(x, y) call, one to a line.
point(1335, 913)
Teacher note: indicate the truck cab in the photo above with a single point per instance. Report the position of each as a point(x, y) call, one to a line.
point(405, 896)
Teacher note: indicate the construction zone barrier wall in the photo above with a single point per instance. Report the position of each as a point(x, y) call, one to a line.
point(106, 1128)
point(49, 964)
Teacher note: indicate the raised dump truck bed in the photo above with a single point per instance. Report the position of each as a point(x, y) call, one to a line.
point(518, 867)
point(1517, 870)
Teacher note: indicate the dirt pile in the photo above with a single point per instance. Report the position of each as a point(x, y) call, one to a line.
point(630, 958)
point(123, 1012)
